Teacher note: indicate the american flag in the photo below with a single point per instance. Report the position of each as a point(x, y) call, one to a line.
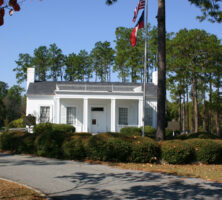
point(140, 5)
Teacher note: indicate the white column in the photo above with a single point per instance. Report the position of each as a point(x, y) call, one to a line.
point(140, 112)
point(85, 115)
point(58, 113)
point(113, 115)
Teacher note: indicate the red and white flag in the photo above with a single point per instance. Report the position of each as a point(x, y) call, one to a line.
point(140, 5)
point(139, 25)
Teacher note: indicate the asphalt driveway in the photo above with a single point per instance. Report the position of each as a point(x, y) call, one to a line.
point(76, 180)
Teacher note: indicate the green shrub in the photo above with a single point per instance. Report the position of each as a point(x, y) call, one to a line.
point(131, 131)
point(144, 150)
point(207, 151)
point(18, 123)
point(42, 128)
point(17, 142)
point(49, 127)
point(82, 134)
point(149, 131)
point(74, 149)
point(201, 135)
point(63, 128)
point(49, 144)
point(105, 147)
point(177, 152)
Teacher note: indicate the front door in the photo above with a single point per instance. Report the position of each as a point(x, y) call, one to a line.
point(98, 119)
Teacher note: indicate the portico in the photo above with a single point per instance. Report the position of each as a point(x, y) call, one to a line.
point(99, 114)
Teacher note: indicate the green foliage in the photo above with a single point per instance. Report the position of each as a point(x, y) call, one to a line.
point(145, 150)
point(149, 131)
point(131, 131)
point(50, 138)
point(41, 59)
point(42, 128)
point(17, 142)
point(14, 103)
point(177, 152)
point(56, 62)
point(49, 144)
point(23, 63)
point(106, 147)
point(201, 135)
point(18, 123)
point(82, 134)
point(211, 10)
point(102, 57)
point(74, 149)
point(207, 151)
point(49, 127)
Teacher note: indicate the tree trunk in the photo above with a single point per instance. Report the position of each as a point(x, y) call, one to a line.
point(183, 117)
point(179, 110)
point(188, 116)
point(210, 107)
point(204, 113)
point(196, 106)
point(218, 105)
point(192, 111)
point(161, 88)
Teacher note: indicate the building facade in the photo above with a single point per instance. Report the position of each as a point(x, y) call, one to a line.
point(91, 107)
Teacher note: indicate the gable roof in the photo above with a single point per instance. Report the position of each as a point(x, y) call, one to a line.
point(50, 87)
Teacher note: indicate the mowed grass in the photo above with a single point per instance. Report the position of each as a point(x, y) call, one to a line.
point(13, 191)
point(206, 172)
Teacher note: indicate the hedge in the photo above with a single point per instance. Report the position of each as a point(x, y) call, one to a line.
point(144, 150)
point(49, 127)
point(131, 131)
point(112, 147)
point(149, 131)
point(49, 144)
point(74, 149)
point(17, 142)
point(177, 152)
point(200, 135)
point(207, 151)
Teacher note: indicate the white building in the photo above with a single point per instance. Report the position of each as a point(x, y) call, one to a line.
point(91, 107)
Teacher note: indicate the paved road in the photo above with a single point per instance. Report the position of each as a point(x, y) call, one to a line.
point(76, 180)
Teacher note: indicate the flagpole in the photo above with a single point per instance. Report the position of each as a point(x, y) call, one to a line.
point(145, 67)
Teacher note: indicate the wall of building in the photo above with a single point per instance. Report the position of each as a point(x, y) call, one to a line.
point(78, 103)
point(153, 104)
point(34, 103)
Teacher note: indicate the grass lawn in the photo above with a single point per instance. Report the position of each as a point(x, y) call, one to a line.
point(13, 191)
point(206, 172)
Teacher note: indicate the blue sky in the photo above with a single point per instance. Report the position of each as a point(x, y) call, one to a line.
point(74, 25)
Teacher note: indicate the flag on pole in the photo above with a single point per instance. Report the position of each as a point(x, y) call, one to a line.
point(141, 5)
point(138, 26)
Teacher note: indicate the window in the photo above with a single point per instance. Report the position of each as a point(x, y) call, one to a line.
point(100, 109)
point(71, 115)
point(123, 116)
point(44, 114)
point(149, 116)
